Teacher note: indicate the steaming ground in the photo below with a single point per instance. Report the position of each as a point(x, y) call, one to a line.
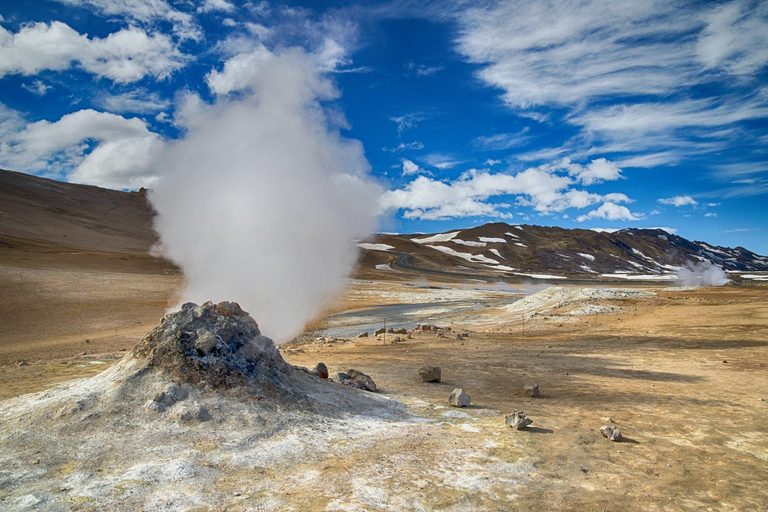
point(680, 370)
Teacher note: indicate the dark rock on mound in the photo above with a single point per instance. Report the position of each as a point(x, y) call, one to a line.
point(215, 344)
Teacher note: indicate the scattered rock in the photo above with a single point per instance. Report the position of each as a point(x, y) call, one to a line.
point(608, 420)
point(459, 337)
point(612, 433)
point(321, 370)
point(426, 327)
point(531, 390)
point(430, 373)
point(21, 362)
point(459, 398)
point(355, 379)
point(205, 341)
point(167, 396)
point(379, 332)
point(402, 330)
point(362, 335)
point(517, 420)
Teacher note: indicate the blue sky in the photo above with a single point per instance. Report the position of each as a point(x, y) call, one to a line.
point(596, 114)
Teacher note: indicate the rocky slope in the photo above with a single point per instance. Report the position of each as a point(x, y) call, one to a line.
point(552, 253)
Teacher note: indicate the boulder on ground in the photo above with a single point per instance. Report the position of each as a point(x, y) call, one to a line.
point(459, 398)
point(459, 337)
point(430, 374)
point(363, 335)
point(402, 330)
point(426, 327)
point(517, 420)
point(355, 379)
point(397, 339)
point(320, 370)
point(378, 332)
point(612, 433)
point(531, 390)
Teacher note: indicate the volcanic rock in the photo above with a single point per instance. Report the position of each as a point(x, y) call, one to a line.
point(430, 374)
point(362, 335)
point(612, 433)
point(380, 331)
point(355, 379)
point(517, 420)
point(321, 370)
point(531, 390)
point(459, 398)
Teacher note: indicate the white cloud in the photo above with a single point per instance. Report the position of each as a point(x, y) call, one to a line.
point(420, 69)
point(610, 211)
point(596, 171)
point(125, 56)
point(679, 201)
point(121, 156)
point(216, 5)
point(410, 168)
point(491, 162)
point(595, 58)
point(710, 214)
point(408, 121)
point(735, 38)
point(441, 161)
point(37, 87)
point(139, 101)
point(502, 141)
point(144, 11)
point(546, 189)
point(403, 146)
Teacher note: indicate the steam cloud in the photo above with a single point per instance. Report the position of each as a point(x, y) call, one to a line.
point(703, 273)
point(261, 200)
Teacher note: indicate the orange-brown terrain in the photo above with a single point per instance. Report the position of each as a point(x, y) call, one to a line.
point(683, 372)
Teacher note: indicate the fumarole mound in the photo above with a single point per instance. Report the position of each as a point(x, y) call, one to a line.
point(202, 391)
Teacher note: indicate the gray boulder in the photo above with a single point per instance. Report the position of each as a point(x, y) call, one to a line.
point(459, 398)
point(355, 379)
point(531, 390)
point(612, 433)
point(517, 420)
point(430, 374)
point(321, 370)
point(362, 335)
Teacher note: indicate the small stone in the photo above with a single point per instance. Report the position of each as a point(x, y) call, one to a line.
point(531, 390)
point(430, 373)
point(205, 341)
point(517, 420)
point(612, 433)
point(397, 339)
point(321, 370)
point(459, 398)
point(363, 335)
point(725, 361)
point(459, 337)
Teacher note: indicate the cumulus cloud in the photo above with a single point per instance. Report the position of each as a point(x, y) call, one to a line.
point(125, 56)
point(261, 198)
point(547, 189)
point(491, 162)
point(678, 201)
point(610, 211)
point(410, 168)
point(122, 155)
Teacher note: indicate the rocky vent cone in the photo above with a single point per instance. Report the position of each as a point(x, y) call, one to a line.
point(218, 345)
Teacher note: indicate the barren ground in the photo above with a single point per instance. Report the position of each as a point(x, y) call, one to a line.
point(682, 373)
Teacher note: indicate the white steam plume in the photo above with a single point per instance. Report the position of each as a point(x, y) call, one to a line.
point(703, 273)
point(261, 200)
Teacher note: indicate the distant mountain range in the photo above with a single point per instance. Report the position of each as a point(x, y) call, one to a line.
point(46, 222)
point(554, 253)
